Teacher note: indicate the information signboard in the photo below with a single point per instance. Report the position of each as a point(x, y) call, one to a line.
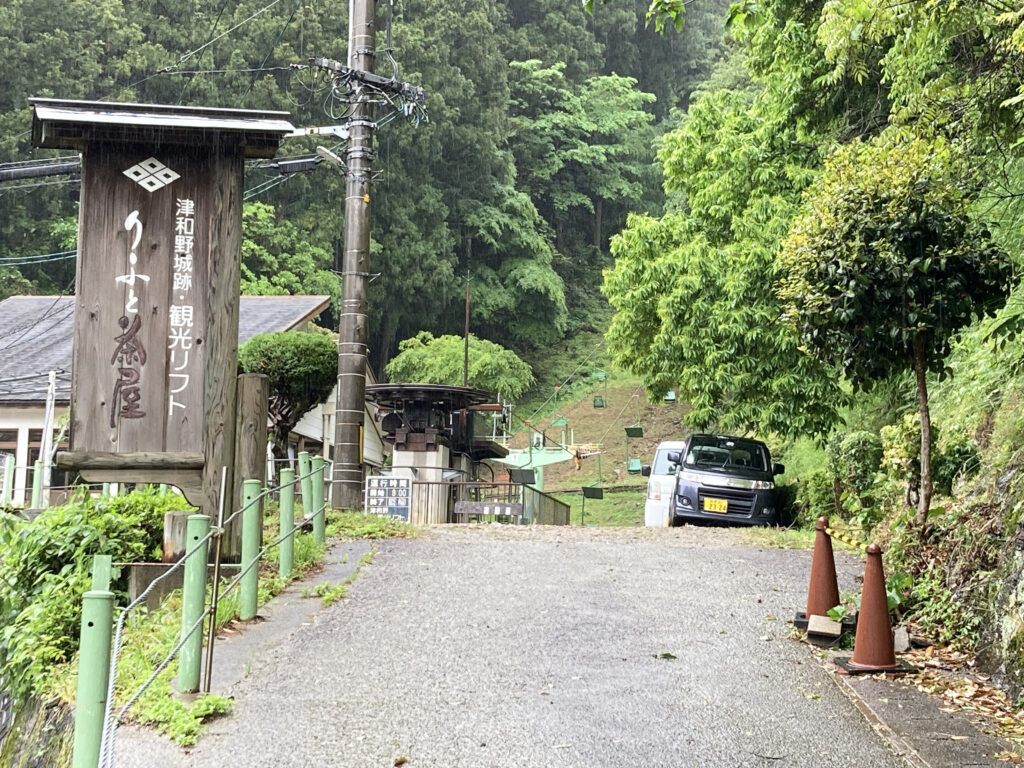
point(389, 496)
point(140, 325)
point(154, 359)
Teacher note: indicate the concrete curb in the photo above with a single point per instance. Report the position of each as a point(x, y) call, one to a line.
point(917, 727)
point(896, 743)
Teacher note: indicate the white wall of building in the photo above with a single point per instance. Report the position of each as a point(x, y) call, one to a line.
point(23, 419)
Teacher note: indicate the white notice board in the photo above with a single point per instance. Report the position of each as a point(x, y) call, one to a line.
point(388, 496)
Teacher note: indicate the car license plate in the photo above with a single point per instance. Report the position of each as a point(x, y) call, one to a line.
point(716, 505)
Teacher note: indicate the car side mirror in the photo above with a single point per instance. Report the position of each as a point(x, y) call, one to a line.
point(645, 470)
point(778, 469)
point(673, 457)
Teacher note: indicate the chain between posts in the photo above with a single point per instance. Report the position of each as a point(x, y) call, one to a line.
point(111, 721)
point(847, 539)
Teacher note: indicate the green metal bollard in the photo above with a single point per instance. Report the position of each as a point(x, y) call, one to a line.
point(251, 520)
point(287, 550)
point(306, 483)
point(319, 512)
point(105, 493)
point(93, 671)
point(193, 598)
point(102, 566)
point(37, 485)
point(8, 494)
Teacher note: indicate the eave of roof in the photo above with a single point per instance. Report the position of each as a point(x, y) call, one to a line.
point(70, 124)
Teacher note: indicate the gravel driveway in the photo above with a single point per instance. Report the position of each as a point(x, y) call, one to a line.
point(496, 646)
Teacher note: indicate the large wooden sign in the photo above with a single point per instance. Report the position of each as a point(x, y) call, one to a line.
point(159, 257)
point(141, 341)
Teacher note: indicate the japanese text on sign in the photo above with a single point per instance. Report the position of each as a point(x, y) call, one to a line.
point(389, 497)
point(129, 355)
point(182, 310)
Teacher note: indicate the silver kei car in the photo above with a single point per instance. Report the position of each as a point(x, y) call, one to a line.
point(727, 479)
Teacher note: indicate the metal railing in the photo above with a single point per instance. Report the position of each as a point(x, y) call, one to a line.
point(545, 509)
point(96, 722)
point(537, 506)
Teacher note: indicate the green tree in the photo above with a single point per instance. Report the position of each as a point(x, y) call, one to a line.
point(694, 307)
point(886, 263)
point(428, 360)
point(302, 368)
point(660, 13)
point(278, 260)
point(579, 149)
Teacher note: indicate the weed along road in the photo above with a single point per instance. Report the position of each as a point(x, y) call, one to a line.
point(497, 646)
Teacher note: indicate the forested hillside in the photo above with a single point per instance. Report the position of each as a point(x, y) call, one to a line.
point(839, 257)
point(539, 141)
point(805, 214)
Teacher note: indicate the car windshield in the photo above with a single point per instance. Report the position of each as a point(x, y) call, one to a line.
point(726, 453)
point(662, 466)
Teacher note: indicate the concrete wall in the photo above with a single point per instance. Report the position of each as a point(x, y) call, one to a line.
point(430, 499)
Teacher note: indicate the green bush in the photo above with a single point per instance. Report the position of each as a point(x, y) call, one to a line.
point(810, 498)
point(957, 459)
point(852, 460)
point(45, 569)
point(901, 449)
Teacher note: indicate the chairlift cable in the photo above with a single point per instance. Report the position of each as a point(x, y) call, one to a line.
point(567, 378)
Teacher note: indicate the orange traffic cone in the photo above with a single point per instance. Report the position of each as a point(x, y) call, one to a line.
point(823, 591)
point(873, 647)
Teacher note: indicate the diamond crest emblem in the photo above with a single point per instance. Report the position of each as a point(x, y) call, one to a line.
point(151, 174)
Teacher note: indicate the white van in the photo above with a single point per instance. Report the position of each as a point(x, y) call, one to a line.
point(661, 484)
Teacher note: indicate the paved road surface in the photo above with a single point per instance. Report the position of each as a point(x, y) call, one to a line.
point(493, 647)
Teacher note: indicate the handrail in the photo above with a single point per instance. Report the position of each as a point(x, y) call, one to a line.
point(110, 721)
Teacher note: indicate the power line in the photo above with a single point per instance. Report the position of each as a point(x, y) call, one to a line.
point(220, 15)
point(270, 52)
point(20, 261)
point(212, 40)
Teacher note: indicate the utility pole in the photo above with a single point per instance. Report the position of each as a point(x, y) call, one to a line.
point(465, 349)
point(362, 88)
point(347, 471)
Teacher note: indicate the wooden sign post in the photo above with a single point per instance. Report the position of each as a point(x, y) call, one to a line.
point(156, 297)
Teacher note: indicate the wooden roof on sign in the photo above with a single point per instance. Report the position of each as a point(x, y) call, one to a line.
point(62, 124)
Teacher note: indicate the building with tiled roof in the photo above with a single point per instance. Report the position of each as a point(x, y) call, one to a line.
point(36, 336)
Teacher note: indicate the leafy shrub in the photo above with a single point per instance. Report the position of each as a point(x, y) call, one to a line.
point(45, 569)
point(901, 449)
point(852, 461)
point(302, 368)
point(939, 610)
point(812, 498)
point(958, 459)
